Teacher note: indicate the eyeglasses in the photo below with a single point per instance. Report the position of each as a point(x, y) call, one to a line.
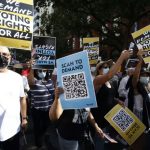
point(4, 54)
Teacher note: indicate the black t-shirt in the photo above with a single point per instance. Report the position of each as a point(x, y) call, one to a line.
point(70, 126)
point(105, 101)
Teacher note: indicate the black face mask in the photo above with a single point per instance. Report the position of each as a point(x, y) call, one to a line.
point(3, 62)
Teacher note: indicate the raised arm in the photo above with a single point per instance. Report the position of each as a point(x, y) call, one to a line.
point(31, 79)
point(136, 73)
point(101, 79)
point(56, 110)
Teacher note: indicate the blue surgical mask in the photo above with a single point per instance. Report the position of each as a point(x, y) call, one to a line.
point(105, 70)
point(41, 75)
point(144, 80)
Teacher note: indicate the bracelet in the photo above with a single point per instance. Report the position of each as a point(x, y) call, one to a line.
point(24, 118)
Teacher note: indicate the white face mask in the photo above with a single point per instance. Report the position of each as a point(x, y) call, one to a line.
point(144, 80)
point(41, 75)
point(105, 70)
point(93, 69)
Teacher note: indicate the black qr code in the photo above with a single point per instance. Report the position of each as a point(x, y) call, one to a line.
point(123, 120)
point(75, 86)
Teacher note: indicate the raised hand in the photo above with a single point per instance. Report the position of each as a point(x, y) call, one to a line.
point(126, 54)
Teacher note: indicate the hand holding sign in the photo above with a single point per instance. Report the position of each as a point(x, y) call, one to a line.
point(126, 54)
point(140, 54)
point(73, 74)
point(125, 123)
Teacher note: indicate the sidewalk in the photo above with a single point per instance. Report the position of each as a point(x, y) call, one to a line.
point(27, 139)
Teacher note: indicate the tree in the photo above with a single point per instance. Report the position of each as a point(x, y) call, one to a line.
point(41, 2)
point(113, 20)
point(20, 55)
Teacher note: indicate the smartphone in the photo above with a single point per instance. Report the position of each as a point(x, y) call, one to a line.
point(131, 47)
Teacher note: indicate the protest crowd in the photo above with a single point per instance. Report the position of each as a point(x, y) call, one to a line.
point(74, 102)
point(57, 129)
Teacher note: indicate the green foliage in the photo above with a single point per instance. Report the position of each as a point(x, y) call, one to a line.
point(40, 2)
point(20, 55)
point(70, 19)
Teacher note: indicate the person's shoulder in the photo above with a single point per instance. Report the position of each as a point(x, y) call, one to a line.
point(13, 73)
point(125, 78)
point(49, 81)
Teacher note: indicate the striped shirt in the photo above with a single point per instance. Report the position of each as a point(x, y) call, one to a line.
point(42, 95)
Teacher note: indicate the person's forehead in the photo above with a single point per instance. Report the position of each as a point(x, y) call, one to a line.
point(4, 49)
point(105, 64)
point(42, 70)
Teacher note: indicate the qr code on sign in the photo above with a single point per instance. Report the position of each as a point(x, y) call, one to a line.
point(75, 86)
point(123, 120)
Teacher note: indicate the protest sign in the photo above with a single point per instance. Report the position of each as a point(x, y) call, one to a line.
point(16, 23)
point(91, 45)
point(43, 52)
point(73, 74)
point(142, 40)
point(131, 63)
point(125, 123)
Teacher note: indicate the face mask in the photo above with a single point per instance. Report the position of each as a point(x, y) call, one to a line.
point(144, 80)
point(93, 69)
point(41, 75)
point(4, 62)
point(105, 70)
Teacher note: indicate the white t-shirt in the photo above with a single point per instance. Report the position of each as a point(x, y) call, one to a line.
point(25, 83)
point(138, 102)
point(11, 89)
point(123, 92)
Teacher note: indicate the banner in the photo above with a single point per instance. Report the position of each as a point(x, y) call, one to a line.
point(142, 40)
point(16, 23)
point(92, 47)
point(43, 52)
point(73, 74)
point(125, 123)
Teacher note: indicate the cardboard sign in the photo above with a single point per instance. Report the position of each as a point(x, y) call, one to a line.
point(44, 52)
point(125, 123)
point(142, 40)
point(16, 23)
point(73, 74)
point(91, 45)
